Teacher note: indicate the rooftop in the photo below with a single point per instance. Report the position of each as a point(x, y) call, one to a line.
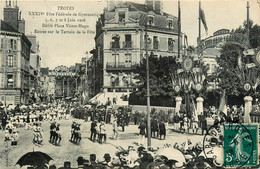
point(7, 27)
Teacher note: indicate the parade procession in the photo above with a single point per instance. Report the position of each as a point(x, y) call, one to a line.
point(142, 84)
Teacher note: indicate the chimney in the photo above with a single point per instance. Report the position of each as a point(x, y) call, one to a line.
point(111, 5)
point(21, 26)
point(150, 4)
point(158, 7)
point(11, 15)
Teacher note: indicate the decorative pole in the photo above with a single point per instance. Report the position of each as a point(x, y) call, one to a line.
point(247, 22)
point(148, 89)
point(248, 99)
point(199, 21)
point(179, 28)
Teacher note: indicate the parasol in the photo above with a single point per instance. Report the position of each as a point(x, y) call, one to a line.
point(173, 154)
point(35, 158)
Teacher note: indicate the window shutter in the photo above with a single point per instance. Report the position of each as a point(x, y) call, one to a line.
point(5, 43)
point(15, 44)
point(2, 80)
point(2, 43)
point(8, 44)
point(14, 57)
point(3, 60)
point(14, 77)
point(6, 61)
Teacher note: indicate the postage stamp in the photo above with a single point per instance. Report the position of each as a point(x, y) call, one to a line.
point(240, 145)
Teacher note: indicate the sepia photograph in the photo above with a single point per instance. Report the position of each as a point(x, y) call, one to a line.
point(129, 84)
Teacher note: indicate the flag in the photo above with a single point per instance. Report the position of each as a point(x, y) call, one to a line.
point(222, 106)
point(203, 19)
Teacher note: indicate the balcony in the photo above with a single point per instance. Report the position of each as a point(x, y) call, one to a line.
point(121, 66)
point(128, 44)
point(115, 45)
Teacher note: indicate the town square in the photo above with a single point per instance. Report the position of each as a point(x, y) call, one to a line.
point(129, 84)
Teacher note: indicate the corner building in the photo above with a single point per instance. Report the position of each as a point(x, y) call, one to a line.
point(120, 44)
point(14, 57)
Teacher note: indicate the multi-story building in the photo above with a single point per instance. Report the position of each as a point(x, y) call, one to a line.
point(64, 81)
point(35, 65)
point(45, 88)
point(14, 58)
point(121, 46)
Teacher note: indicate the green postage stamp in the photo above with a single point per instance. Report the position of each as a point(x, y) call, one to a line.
point(240, 145)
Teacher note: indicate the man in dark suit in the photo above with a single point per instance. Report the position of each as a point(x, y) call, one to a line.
point(162, 130)
point(93, 130)
point(154, 127)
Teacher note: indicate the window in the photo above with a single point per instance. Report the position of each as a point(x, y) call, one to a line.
point(128, 59)
point(115, 41)
point(148, 42)
point(12, 44)
point(10, 81)
point(10, 60)
point(170, 23)
point(112, 81)
point(150, 20)
point(170, 44)
point(155, 42)
point(128, 41)
point(121, 16)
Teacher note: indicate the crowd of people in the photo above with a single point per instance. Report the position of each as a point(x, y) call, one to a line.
point(179, 155)
point(32, 117)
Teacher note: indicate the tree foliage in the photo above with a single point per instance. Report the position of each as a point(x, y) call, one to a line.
point(160, 80)
point(254, 33)
point(227, 74)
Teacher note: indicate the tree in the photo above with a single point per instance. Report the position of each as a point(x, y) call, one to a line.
point(160, 79)
point(226, 75)
point(254, 33)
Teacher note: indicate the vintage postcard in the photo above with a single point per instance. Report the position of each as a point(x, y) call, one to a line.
point(129, 84)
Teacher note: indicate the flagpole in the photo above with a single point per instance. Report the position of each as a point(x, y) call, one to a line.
point(179, 28)
point(247, 20)
point(199, 21)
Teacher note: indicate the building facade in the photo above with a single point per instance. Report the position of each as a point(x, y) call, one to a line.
point(35, 65)
point(120, 44)
point(14, 58)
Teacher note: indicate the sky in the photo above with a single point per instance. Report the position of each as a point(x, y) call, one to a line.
point(68, 49)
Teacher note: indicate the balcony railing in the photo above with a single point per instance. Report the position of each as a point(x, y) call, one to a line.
point(115, 45)
point(121, 65)
point(128, 44)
